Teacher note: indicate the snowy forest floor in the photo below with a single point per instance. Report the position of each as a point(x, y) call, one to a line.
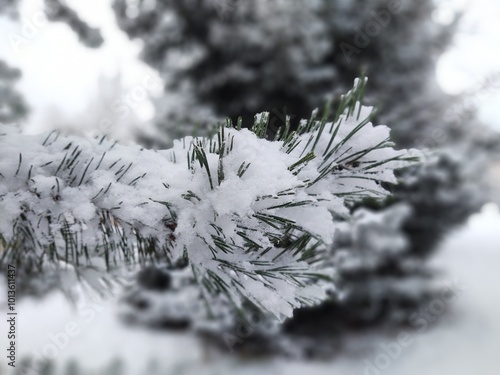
point(464, 341)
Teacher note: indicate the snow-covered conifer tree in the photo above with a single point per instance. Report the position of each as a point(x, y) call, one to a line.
point(235, 58)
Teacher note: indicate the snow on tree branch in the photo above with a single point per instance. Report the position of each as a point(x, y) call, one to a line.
point(252, 216)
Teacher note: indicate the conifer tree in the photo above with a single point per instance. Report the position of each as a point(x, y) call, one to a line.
point(235, 58)
point(80, 207)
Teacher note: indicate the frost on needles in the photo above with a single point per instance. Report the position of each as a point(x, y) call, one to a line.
point(251, 216)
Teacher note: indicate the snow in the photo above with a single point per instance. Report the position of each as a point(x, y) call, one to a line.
point(462, 342)
point(229, 199)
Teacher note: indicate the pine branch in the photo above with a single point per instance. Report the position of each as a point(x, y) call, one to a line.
point(252, 216)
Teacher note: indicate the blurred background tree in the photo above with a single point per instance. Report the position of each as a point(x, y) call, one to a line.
point(240, 57)
point(228, 58)
point(12, 105)
point(13, 108)
point(236, 58)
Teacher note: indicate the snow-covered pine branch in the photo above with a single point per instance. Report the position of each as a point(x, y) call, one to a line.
point(251, 216)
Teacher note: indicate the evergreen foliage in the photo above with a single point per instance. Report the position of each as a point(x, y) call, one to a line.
point(235, 58)
point(251, 216)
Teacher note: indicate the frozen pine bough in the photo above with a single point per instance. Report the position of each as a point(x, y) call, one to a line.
point(250, 217)
point(215, 55)
point(379, 282)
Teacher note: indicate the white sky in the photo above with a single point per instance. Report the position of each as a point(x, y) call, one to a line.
point(58, 69)
point(475, 55)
